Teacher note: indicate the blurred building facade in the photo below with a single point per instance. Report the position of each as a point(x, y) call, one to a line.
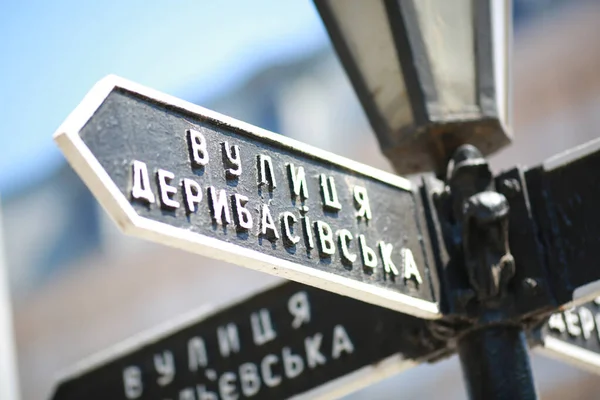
point(80, 286)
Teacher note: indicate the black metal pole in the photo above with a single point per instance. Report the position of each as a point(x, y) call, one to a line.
point(495, 364)
point(493, 351)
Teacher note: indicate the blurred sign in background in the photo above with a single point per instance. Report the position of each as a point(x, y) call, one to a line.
point(79, 286)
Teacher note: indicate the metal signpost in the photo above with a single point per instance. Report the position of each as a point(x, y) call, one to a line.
point(178, 174)
point(475, 262)
point(288, 341)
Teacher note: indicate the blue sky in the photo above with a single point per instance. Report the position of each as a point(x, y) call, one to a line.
point(52, 52)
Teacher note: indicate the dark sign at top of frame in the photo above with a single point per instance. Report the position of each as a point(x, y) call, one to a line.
point(178, 174)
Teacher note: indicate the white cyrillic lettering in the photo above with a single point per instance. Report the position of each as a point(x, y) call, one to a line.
point(166, 190)
point(325, 239)
point(132, 381)
point(314, 356)
point(409, 266)
point(586, 319)
point(232, 160)
point(286, 227)
point(197, 148)
point(369, 258)
point(141, 190)
point(341, 342)
point(267, 226)
point(361, 201)
point(344, 237)
point(572, 321)
point(308, 234)
point(243, 218)
point(298, 180)
point(262, 329)
point(211, 374)
point(386, 257)
point(293, 365)
point(264, 164)
point(269, 378)
point(249, 379)
point(187, 394)
point(192, 194)
point(299, 307)
point(557, 323)
point(229, 340)
point(165, 366)
point(329, 192)
point(203, 394)
point(197, 353)
point(218, 204)
point(227, 388)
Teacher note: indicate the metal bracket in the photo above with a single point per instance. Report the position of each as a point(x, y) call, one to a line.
point(476, 224)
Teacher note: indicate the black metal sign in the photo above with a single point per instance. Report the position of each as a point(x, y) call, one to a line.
point(574, 336)
point(564, 194)
point(178, 174)
point(291, 340)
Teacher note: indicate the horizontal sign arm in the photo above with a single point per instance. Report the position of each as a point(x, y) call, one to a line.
point(564, 193)
point(180, 175)
point(290, 340)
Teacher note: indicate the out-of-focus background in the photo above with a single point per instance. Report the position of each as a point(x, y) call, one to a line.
point(78, 285)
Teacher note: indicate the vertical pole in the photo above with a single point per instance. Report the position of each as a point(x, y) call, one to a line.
point(9, 383)
point(495, 364)
point(493, 352)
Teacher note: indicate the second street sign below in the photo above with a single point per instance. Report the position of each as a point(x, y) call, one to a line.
point(180, 175)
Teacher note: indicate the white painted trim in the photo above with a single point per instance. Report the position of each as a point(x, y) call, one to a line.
point(122, 212)
point(569, 353)
point(571, 155)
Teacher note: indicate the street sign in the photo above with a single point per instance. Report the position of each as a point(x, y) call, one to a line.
point(564, 193)
point(178, 174)
point(573, 336)
point(291, 341)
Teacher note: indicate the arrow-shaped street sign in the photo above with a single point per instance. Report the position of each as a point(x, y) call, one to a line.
point(564, 193)
point(178, 174)
point(573, 336)
point(291, 341)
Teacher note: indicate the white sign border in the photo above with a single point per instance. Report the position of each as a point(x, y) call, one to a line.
point(122, 212)
point(569, 353)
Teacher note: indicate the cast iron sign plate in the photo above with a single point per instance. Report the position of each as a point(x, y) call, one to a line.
point(180, 175)
point(291, 341)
